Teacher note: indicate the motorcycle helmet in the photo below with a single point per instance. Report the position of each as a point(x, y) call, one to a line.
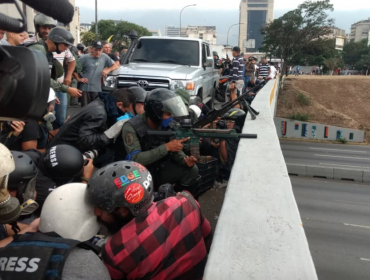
point(238, 116)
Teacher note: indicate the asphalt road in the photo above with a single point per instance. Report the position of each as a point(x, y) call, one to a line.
point(336, 219)
point(337, 155)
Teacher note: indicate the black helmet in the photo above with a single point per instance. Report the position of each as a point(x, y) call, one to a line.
point(81, 47)
point(140, 95)
point(61, 36)
point(163, 100)
point(121, 184)
point(23, 178)
point(62, 162)
point(73, 50)
point(238, 116)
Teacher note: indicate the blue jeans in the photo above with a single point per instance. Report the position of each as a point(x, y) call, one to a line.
point(61, 109)
point(246, 80)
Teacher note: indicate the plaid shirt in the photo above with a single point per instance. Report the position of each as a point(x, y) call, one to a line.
point(167, 242)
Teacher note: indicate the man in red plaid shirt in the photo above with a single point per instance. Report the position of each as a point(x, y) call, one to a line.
point(161, 240)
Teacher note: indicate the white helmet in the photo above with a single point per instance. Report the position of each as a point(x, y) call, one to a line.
point(66, 213)
point(9, 206)
point(196, 110)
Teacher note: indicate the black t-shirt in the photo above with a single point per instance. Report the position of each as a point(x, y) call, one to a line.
point(34, 130)
point(113, 57)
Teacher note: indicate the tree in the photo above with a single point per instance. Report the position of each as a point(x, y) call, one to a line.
point(88, 38)
point(364, 64)
point(296, 29)
point(333, 63)
point(120, 32)
point(353, 52)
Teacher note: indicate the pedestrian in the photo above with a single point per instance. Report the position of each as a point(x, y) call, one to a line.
point(264, 69)
point(13, 39)
point(236, 73)
point(117, 54)
point(94, 66)
point(107, 49)
point(250, 70)
point(168, 239)
point(298, 71)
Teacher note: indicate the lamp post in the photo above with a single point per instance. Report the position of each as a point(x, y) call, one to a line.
point(96, 20)
point(181, 13)
point(227, 44)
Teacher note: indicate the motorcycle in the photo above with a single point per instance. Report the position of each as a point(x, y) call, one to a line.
point(221, 89)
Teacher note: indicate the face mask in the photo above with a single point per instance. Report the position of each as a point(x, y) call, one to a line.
point(126, 116)
point(166, 122)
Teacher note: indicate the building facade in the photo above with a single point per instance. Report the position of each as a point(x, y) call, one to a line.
point(155, 32)
point(253, 15)
point(172, 31)
point(206, 33)
point(11, 11)
point(360, 30)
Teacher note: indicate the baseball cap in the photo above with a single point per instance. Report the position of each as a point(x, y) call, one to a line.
point(97, 45)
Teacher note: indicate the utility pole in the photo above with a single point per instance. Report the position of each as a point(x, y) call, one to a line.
point(96, 20)
point(181, 13)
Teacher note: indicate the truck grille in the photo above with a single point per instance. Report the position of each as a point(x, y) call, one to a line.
point(147, 84)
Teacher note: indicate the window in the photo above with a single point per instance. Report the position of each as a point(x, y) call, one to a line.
point(296, 126)
point(256, 21)
point(304, 130)
point(339, 134)
point(351, 136)
point(204, 54)
point(257, 5)
point(167, 50)
point(208, 51)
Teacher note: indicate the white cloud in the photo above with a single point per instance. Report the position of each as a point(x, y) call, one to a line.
point(124, 5)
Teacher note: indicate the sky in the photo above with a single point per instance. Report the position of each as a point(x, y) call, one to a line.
point(156, 14)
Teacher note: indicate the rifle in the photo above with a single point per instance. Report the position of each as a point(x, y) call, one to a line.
point(214, 114)
point(196, 134)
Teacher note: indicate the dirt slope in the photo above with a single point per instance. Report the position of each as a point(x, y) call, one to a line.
point(334, 100)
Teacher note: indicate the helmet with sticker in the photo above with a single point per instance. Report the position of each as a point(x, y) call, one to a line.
point(121, 184)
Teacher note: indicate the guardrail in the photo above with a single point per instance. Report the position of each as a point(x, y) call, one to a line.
point(259, 234)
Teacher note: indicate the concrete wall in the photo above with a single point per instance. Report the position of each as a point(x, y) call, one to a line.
point(259, 234)
point(294, 129)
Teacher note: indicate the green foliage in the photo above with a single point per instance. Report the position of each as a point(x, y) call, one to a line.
point(363, 63)
point(120, 32)
point(333, 63)
point(342, 140)
point(353, 52)
point(299, 117)
point(303, 99)
point(289, 34)
point(88, 38)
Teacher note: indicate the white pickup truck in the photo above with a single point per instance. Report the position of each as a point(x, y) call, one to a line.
point(168, 62)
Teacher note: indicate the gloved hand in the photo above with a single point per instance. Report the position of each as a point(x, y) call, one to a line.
point(115, 130)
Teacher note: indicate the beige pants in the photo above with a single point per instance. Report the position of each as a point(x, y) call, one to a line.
point(239, 86)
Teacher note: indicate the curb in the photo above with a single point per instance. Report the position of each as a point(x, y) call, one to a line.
point(337, 173)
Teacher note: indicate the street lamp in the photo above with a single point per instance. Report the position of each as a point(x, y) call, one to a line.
point(227, 44)
point(96, 20)
point(181, 13)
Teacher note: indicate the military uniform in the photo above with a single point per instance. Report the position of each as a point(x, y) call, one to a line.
point(171, 166)
point(56, 69)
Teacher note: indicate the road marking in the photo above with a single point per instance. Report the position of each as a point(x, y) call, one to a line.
point(324, 149)
point(341, 157)
point(353, 202)
point(363, 259)
point(351, 225)
point(344, 165)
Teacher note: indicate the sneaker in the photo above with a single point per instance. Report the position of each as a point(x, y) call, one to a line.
point(220, 185)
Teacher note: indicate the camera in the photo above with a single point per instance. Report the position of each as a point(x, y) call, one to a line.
point(221, 124)
point(164, 191)
point(90, 154)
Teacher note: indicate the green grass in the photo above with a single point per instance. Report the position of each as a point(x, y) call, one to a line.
point(303, 99)
point(299, 117)
point(342, 140)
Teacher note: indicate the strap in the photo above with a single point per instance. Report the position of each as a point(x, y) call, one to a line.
point(192, 201)
point(129, 156)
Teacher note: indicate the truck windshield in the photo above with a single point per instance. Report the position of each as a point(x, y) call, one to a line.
point(167, 51)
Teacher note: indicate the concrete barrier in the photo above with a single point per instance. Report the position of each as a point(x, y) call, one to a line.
point(320, 171)
point(366, 176)
point(259, 234)
point(296, 169)
point(348, 174)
